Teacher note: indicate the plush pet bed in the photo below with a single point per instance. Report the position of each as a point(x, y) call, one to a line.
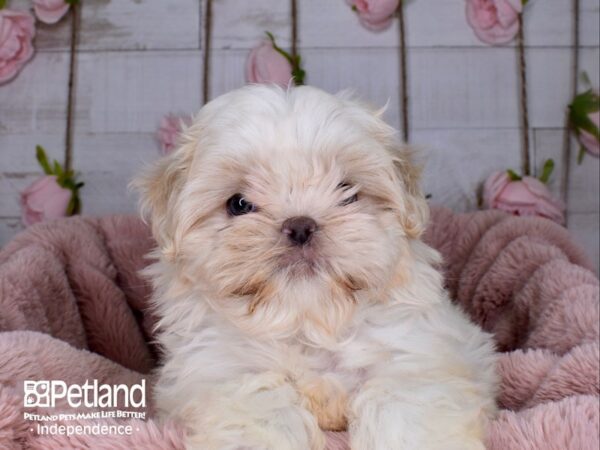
point(72, 307)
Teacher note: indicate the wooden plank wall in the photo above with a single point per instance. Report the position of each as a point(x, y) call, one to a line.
point(139, 59)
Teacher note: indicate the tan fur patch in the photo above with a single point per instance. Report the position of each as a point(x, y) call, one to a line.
point(262, 294)
point(327, 401)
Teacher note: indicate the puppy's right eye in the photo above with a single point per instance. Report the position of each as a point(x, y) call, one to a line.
point(347, 201)
point(237, 205)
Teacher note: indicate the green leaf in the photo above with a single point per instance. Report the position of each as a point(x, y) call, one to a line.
point(579, 110)
point(58, 170)
point(40, 155)
point(2, 3)
point(514, 176)
point(547, 171)
point(67, 183)
point(72, 2)
point(524, 2)
point(298, 75)
point(580, 155)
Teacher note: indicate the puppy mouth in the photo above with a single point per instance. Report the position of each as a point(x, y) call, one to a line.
point(300, 260)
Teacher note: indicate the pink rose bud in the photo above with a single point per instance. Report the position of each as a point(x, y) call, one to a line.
point(50, 11)
point(16, 32)
point(525, 197)
point(44, 199)
point(494, 21)
point(375, 15)
point(169, 131)
point(267, 65)
point(590, 142)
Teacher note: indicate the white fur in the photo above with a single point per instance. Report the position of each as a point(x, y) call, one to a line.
point(258, 351)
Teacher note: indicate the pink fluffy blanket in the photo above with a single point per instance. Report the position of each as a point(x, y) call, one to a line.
point(72, 307)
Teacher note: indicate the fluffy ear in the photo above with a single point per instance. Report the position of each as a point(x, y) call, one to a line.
point(416, 211)
point(159, 187)
point(413, 209)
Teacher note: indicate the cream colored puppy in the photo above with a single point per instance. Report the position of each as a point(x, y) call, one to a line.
point(293, 291)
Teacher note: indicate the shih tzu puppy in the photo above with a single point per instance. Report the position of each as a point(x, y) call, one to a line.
point(293, 291)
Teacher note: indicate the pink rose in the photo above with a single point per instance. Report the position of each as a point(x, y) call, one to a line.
point(50, 11)
point(494, 21)
point(16, 32)
point(590, 142)
point(267, 65)
point(170, 128)
point(44, 199)
point(526, 197)
point(375, 15)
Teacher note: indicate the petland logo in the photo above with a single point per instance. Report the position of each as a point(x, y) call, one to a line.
point(44, 393)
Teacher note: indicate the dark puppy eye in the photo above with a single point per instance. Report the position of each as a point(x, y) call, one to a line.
point(237, 205)
point(348, 200)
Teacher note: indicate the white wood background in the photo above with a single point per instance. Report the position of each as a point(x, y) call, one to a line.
point(140, 59)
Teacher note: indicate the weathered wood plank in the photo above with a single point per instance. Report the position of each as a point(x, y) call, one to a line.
point(140, 25)
point(457, 162)
point(35, 101)
point(450, 88)
point(17, 151)
point(227, 71)
point(326, 24)
point(125, 25)
point(131, 24)
point(454, 88)
point(339, 69)
point(242, 24)
point(441, 23)
point(132, 91)
point(549, 81)
point(331, 70)
point(108, 162)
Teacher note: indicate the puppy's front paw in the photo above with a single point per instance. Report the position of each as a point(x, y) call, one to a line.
point(399, 438)
point(257, 412)
point(385, 425)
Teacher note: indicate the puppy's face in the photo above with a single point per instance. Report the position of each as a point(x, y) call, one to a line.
point(285, 202)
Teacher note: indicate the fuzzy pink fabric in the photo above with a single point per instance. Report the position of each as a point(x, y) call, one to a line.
point(72, 307)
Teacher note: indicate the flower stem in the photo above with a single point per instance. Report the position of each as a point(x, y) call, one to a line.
point(403, 74)
point(566, 154)
point(206, 48)
point(294, 12)
point(75, 16)
point(525, 160)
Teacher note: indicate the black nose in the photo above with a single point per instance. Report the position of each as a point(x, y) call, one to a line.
point(299, 230)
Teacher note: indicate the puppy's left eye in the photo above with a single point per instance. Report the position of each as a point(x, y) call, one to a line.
point(348, 200)
point(237, 205)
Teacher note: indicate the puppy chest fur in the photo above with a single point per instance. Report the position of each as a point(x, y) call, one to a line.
point(327, 401)
point(323, 389)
